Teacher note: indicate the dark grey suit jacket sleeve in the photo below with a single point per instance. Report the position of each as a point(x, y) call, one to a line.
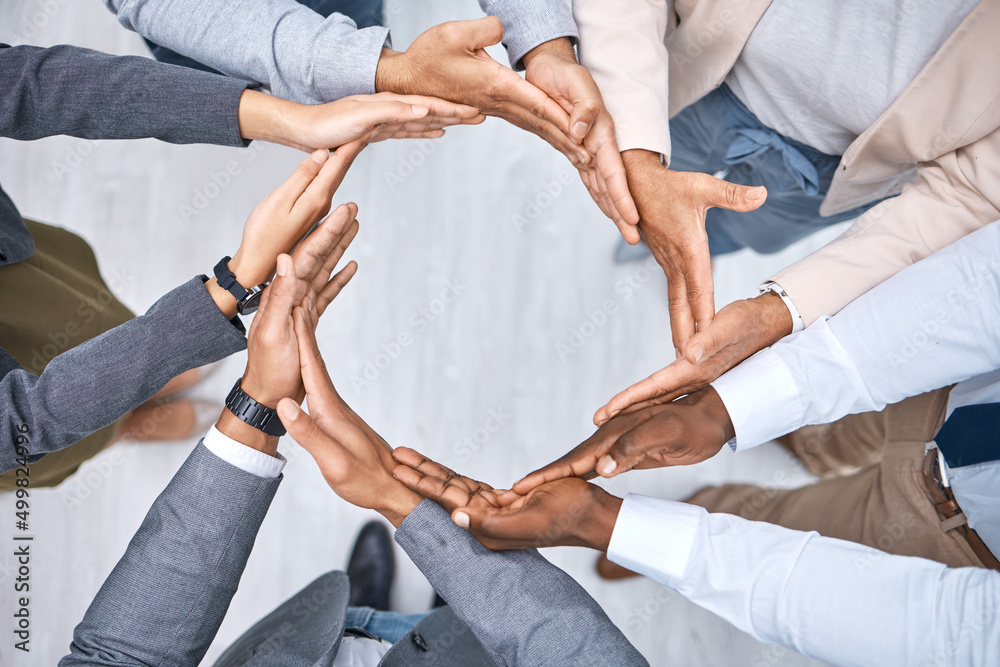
point(523, 609)
point(90, 386)
point(85, 93)
point(165, 600)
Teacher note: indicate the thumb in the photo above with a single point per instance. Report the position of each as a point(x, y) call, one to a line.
point(622, 457)
point(483, 32)
point(301, 426)
point(742, 198)
point(304, 174)
point(705, 343)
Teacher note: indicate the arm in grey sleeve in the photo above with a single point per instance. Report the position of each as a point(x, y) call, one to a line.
point(90, 386)
point(933, 324)
point(281, 44)
point(528, 23)
point(84, 93)
point(165, 600)
point(522, 609)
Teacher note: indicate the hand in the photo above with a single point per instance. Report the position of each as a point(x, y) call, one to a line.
point(672, 207)
point(303, 279)
point(386, 116)
point(739, 331)
point(567, 512)
point(283, 217)
point(450, 61)
point(686, 431)
point(355, 461)
point(553, 68)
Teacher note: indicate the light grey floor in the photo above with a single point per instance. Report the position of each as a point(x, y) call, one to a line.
point(433, 214)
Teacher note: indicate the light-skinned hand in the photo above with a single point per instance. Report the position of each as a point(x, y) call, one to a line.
point(672, 207)
point(739, 331)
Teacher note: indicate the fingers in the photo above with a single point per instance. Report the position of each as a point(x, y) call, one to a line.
point(608, 161)
point(301, 427)
point(303, 176)
point(578, 462)
point(665, 382)
point(320, 190)
point(700, 292)
point(315, 378)
point(283, 294)
point(681, 315)
point(315, 251)
point(707, 343)
point(723, 194)
point(334, 287)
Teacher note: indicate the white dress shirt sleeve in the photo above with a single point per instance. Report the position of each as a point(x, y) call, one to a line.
point(245, 458)
point(931, 325)
point(837, 601)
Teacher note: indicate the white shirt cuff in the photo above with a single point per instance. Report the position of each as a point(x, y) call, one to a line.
point(655, 537)
point(245, 458)
point(762, 399)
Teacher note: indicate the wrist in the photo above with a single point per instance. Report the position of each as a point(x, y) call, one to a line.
point(259, 391)
point(601, 522)
point(391, 73)
point(639, 158)
point(235, 428)
point(267, 118)
point(715, 412)
point(247, 274)
point(399, 507)
point(561, 47)
point(776, 320)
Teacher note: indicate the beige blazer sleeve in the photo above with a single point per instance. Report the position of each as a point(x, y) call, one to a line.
point(952, 196)
point(621, 43)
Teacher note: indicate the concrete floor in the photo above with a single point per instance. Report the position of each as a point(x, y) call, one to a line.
point(433, 214)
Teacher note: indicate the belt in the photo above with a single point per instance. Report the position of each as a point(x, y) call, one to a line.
point(952, 517)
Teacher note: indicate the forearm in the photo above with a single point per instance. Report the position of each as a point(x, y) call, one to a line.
point(528, 24)
point(953, 196)
point(621, 43)
point(834, 600)
point(165, 600)
point(929, 326)
point(84, 93)
point(519, 605)
point(281, 44)
point(95, 383)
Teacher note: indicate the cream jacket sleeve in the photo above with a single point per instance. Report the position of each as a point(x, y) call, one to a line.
point(952, 196)
point(621, 43)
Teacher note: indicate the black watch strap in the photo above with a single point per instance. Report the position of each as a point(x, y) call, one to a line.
point(247, 300)
point(253, 413)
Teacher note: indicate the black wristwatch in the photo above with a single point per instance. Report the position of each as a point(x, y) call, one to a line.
point(250, 411)
point(247, 300)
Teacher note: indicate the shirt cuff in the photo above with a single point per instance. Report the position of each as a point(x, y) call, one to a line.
point(762, 399)
point(245, 458)
point(655, 537)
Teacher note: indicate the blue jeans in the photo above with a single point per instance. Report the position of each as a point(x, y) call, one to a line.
point(387, 625)
point(366, 13)
point(718, 133)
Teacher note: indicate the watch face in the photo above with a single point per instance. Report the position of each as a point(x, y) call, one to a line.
point(251, 303)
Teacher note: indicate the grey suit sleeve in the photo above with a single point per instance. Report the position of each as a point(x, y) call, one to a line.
point(282, 44)
point(523, 609)
point(90, 386)
point(84, 93)
point(165, 600)
point(528, 23)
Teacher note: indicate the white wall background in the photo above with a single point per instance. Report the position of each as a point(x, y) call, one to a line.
point(450, 219)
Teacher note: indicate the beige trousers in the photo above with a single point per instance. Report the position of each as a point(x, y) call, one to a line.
point(872, 490)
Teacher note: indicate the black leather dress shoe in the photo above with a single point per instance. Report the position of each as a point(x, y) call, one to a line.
point(371, 568)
